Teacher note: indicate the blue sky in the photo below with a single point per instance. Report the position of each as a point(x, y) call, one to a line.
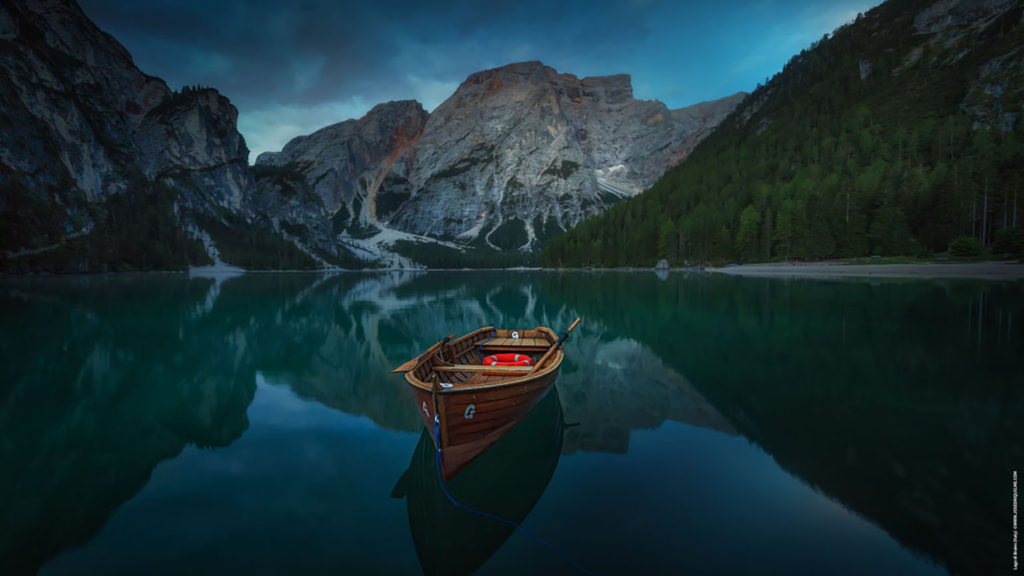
point(294, 67)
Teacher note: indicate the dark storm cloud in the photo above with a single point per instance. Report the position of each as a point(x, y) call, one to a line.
point(294, 67)
point(306, 52)
point(317, 51)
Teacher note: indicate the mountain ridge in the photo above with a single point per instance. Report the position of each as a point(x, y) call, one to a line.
point(521, 150)
point(899, 133)
point(105, 168)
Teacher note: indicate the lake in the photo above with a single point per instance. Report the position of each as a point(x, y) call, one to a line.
point(163, 424)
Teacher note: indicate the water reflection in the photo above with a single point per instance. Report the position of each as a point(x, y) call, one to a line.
point(606, 404)
point(115, 375)
point(901, 400)
point(507, 480)
point(898, 400)
point(97, 388)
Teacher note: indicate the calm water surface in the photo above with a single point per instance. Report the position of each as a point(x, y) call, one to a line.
point(703, 425)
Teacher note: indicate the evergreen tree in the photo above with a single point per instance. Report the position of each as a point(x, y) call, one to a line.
point(819, 163)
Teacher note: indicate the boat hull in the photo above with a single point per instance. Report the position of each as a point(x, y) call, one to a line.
point(507, 481)
point(473, 420)
point(474, 404)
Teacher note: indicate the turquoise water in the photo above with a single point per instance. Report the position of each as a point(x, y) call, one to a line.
point(703, 425)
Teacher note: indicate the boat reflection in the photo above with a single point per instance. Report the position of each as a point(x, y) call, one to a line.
point(900, 401)
point(506, 480)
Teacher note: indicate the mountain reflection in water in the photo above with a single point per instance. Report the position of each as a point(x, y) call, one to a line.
point(896, 400)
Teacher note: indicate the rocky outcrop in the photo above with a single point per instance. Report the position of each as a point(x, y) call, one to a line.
point(522, 152)
point(956, 15)
point(996, 96)
point(345, 160)
point(953, 28)
point(514, 156)
point(69, 94)
point(328, 182)
point(82, 124)
point(193, 140)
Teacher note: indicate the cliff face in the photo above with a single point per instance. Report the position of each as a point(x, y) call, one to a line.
point(520, 153)
point(103, 167)
point(894, 135)
point(515, 155)
point(83, 125)
point(346, 160)
point(66, 111)
point(327, 183)
point(193, 141)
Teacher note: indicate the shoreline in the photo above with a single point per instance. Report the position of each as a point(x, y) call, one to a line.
point(831, 269)
point(990, 270)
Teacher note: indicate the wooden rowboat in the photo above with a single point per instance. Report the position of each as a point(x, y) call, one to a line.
point(466, 406)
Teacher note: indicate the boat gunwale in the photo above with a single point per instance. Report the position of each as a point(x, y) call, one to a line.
point(553, 364)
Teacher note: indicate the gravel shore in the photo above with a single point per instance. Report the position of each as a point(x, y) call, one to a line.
point(979, 270)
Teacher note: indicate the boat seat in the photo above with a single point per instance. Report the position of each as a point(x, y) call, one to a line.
point(479, 368)
point(492, 348)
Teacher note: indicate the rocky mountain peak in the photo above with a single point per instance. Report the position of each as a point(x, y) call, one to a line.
point(531, 71)
point(533, 74)
point(401, 119)
point(515, 155)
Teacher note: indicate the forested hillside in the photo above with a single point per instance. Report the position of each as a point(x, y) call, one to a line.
point(896, 134)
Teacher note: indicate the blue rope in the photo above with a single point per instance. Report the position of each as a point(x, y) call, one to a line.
point(440, 480)
point(480, 346)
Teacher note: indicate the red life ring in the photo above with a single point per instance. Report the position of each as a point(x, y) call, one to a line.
point(508, 360)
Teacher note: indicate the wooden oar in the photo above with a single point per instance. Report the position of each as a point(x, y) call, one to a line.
point(556, 345)
point(408, 365)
